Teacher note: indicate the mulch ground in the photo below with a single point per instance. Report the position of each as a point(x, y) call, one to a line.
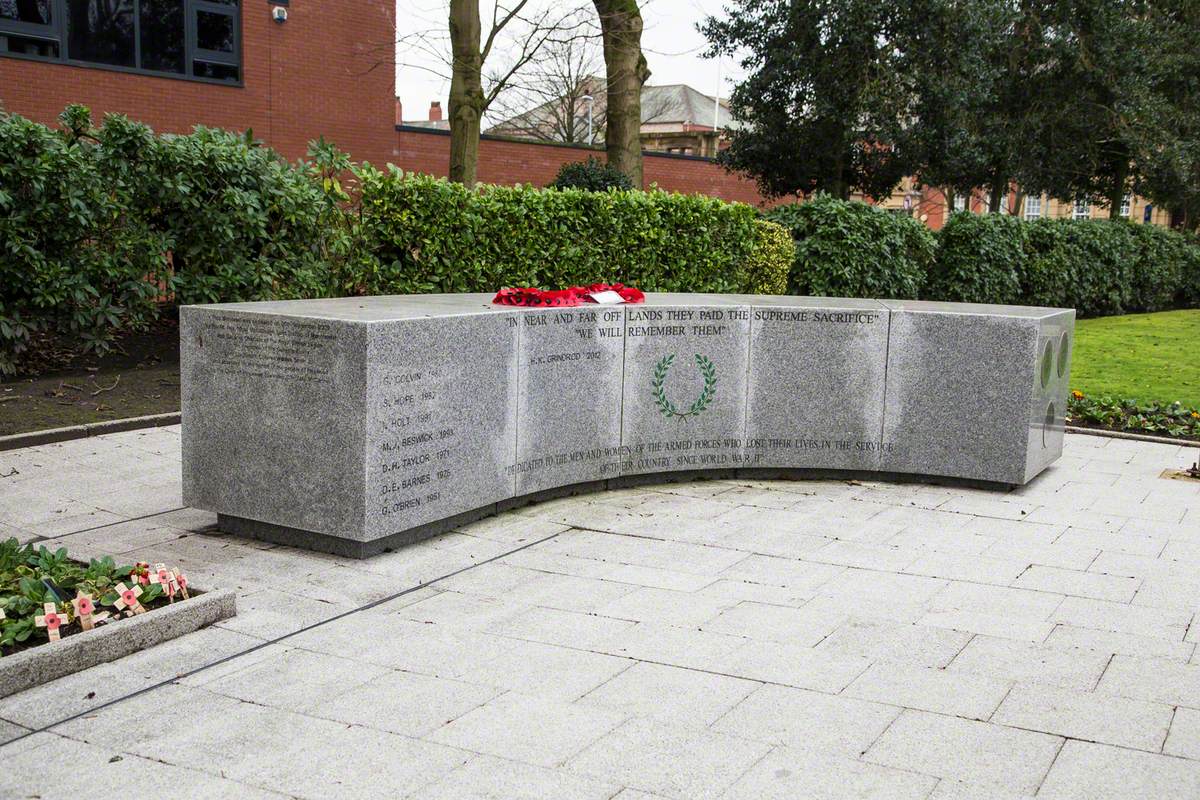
point(139, 376)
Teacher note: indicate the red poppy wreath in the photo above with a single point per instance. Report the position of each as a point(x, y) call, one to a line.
point(571, 296)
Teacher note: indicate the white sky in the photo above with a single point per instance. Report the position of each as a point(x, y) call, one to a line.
point(670, 40)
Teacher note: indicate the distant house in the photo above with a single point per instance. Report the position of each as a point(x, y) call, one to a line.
point(675, 119)
point(434, 122)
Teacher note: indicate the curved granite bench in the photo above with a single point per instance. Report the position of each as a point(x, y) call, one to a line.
point(357, 424)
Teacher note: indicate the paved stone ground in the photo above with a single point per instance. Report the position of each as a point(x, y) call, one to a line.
point(738, 639)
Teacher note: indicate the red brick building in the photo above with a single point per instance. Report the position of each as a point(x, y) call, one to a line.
point(325, 70)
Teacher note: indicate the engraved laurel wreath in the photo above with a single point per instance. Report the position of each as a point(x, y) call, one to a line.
point(665, 406)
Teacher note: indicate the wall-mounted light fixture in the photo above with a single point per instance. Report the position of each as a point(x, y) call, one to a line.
point(279, 14)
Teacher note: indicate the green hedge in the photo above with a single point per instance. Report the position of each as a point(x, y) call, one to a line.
point(593, 175)
point(770, 263)
point(430, 235)
point(89, 215)
point(979, 259)
point(99, 224)
point(851, 249)
point(1098, 267)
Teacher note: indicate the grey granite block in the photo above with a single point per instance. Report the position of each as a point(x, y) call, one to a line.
point(359, 424)
point(684, 404)
point(114, 640)
point(965, 396)
point(816, 383)
point(1047, 418)
point(570, 369)
point(273, 418)
point(441, 418)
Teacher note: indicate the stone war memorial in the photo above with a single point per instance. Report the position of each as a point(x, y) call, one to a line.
point(359, 424)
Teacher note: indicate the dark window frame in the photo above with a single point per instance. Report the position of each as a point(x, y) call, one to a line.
point(56, 32)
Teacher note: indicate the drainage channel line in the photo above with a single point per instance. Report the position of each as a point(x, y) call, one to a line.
point(37, 539)
point(276, 640)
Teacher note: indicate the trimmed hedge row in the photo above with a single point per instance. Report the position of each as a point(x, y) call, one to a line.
point(98, 225)
point(1098, 267)
point(430, 235)
point(851, 249)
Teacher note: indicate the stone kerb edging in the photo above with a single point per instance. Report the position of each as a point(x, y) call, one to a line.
point(356, 420)
point(34, 438)
point(114, 640)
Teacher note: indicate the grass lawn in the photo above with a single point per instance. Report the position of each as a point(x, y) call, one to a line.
point(1147, 357)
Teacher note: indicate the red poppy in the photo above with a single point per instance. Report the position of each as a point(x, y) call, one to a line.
point(572, 296)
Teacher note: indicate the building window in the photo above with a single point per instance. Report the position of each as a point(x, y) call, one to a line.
point(960, 202)
point(192, 38)
point(29, 27)
point(1033, 207)
point(1083, 210)
point(1126, 205)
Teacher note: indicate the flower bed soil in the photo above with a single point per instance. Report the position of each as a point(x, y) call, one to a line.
point(139, 377)
point(1167, 420)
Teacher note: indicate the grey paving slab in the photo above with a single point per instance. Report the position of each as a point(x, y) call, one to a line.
point(528, 729)
point(10, 731)
point(1116, 588)
point(1167, 624)
point(1130, 644)
point(764, 621)
point(800, 620)
point(1089, 771)
point(892, 642)
point(1184, 738)
point(53, 770)
point(1093, 716)
point(548, 671)
point(233, 738)
point(1154, 679)
point(401, 702)
point(290, 679)
point(680, 647)
point(782, 715)
point(490, 778)
point(967, 750)
point(791, 773)
point(1005, 659)
point(682, 696)
point(936, 690)
point(670, 760)
point(995, 625)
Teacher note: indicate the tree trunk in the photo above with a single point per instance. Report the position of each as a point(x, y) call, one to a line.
point(1018, 203)
point(995, 196)
point(948, 196)
point(1116, 192)
point(466, 91)
point(626, 71)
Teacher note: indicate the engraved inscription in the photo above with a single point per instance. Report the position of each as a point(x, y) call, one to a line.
point(295, 350)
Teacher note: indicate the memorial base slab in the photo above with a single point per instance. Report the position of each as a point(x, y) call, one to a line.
point(358, 425)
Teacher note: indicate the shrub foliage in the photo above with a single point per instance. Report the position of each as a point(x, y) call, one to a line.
point(770, 262)
point(851, 249)
point(100, 227)
point(593, 175)
point(98, 224)
point(1098, 267)
point(979, 259)
point(430, 235)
